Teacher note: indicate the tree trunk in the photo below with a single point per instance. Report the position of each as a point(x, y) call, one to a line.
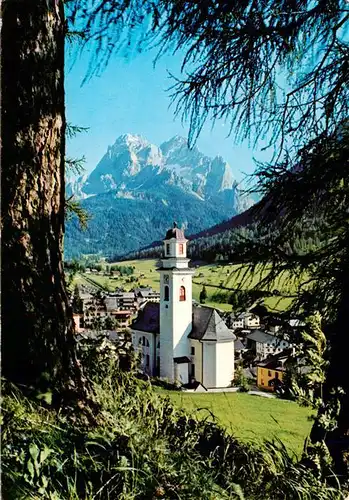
point(38, 333)
point(337, 440)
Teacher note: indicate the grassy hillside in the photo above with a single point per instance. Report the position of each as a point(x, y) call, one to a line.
point(250, 418)
point(141, 446)
point(212, 276)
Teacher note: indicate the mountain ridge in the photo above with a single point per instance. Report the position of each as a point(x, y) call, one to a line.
point(132, 160)
point(155, 184)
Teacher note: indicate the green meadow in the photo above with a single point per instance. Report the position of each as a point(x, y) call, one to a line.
point(250, 418)
point(215, 277)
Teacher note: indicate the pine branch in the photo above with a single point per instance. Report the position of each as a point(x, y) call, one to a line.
point(73, 208)
point(75, 165)
point(72, 130)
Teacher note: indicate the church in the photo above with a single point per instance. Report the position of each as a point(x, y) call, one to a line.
point(177, 340)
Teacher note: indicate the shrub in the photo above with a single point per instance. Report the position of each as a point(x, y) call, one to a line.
point(139, 447)
point(240, 379)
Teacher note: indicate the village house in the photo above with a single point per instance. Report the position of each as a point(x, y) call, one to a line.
point(176, 340)
point(123, 318)
point(93, 308)
point(78, 319)
point(121, 301)
point(271, 371)
point(264, 344)
point(119, 305)
point(146, 294)
point(246, 320)
point(239, 348)
point(103, 307)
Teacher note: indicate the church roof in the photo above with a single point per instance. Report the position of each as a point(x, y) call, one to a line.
point(148, 319)
point(207, 324)
point(238, 345)
point(261, 336)
point(175, 232)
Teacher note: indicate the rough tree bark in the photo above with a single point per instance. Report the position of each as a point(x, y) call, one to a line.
point(337, 440)
point(37, 332)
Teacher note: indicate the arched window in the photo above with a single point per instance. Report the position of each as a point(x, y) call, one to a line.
point(181, 249)
point(182, 294)
point(145, 342)
point(166, 293)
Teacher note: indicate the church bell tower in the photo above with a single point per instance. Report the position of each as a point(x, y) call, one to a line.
point(175, 307)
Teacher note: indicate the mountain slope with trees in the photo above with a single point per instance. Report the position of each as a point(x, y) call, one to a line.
point(138, 189)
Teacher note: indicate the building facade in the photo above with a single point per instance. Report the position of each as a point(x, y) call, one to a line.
point(179, 341)
point(265, 344)
point(176, 307)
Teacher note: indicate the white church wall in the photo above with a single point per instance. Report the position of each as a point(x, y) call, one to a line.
point(197, 358)
point(175, 247)
point(145, 350)
point(209, 364)
point(175, 314)
point(166, 344)
point(182, 371)
point(224, 363)
point(166, 340)
point(182, 314)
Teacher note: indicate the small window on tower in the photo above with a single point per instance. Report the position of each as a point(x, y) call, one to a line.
point(166, 293)
point(181, 249)
point(167, 249)
point(182, 294)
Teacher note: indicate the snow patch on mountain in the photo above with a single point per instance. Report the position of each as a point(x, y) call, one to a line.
point(133, 167)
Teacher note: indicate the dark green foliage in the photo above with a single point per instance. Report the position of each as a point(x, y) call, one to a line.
point(151, 218)
point(123, 270)
point(110, 323)
point(74, 266)
point(240, 379)
point(74, 210)
point(203, 295)
point(321, 272)
point(240, 300)
point(307, 236)
point(77, 303)
point(75, 166)
point(140, 447)
point(235, 53)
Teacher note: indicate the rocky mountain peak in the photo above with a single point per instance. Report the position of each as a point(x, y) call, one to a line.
point(133, 141)
point(138, 184)
point(134, 165)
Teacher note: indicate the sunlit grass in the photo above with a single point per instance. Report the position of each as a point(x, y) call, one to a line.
point(251, 418)
point(213, 276)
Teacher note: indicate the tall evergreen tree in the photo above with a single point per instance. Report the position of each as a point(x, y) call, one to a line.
point(37, 334)
point(319, 185)
point(77, 303)
point(203, 295)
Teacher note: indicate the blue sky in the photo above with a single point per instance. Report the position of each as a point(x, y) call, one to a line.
point(130, 97)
